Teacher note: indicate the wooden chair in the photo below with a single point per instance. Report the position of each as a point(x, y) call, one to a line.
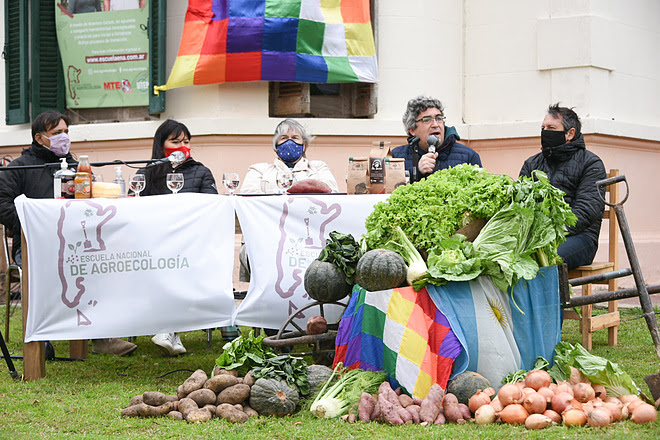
point(610, 320)
point(13, 274)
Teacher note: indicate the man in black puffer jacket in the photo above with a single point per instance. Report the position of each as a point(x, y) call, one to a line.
point(424, 117)
point(50, 142)
point(574, 170)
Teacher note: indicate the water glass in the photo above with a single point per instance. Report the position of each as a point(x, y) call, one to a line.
point(231, 181)
point(174, 182)
point(137, 184)
point(284, 180)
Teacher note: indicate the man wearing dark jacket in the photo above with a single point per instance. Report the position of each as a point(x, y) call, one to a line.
point(424, 117)
point(50, 142)
point(575, 170)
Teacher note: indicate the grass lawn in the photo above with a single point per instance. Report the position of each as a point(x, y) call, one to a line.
point(82, 399)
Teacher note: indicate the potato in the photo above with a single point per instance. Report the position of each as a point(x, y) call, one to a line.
point(249, 379)
point(217, 370)
point(211, 408)
point(198, 415)
point(175, 415)
point(155, 411)
point(155, 398)
point(132, 410)
point(231, 414)
point(235, 394)
point(136, 399)
point(203, 397)
point(186, 405)
point(250, 411)
point(193, 383)
point(220, 381)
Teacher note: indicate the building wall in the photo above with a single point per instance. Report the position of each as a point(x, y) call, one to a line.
point(495, 65)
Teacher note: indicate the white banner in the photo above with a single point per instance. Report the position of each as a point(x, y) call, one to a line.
point(126, 267)
point(283, 235)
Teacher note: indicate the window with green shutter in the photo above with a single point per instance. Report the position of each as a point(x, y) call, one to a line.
point(15, 54)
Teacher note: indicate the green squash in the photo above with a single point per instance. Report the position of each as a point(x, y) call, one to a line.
point(273, 397)
point(325, 283)
point(380, 269)
point(464, 385)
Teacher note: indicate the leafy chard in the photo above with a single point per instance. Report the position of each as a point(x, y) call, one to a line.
point(343, 252)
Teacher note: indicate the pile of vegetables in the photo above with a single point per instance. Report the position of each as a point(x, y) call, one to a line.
point(527, 221)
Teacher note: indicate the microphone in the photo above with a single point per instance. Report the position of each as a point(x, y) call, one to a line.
point(176, 159)
point(433, 142)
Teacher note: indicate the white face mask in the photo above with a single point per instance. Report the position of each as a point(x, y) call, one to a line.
point(60, 144)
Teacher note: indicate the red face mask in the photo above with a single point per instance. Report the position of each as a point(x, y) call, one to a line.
point(184, 150)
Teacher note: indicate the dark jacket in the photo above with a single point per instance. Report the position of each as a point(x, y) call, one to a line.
point(574, 170)
point(450, 154)
point(196, 179)
point(35, 183)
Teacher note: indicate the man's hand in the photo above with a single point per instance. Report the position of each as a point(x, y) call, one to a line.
point(427, 163)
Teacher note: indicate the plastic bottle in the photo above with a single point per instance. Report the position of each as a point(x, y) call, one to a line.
point(64, 181)
point(84, 179)
point(119, 179)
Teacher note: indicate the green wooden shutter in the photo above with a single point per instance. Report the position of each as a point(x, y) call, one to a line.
point(15, 53)
point(46, 70)
point(157, 53)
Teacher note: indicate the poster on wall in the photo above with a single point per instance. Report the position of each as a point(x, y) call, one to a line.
point(105, 52)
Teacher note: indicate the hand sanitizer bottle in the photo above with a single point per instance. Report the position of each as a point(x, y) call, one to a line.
point(63, 181)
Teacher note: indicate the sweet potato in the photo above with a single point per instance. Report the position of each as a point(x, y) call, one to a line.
point(231, 414)
point(309, 186)
point(375, 414)
point(193, 383)
point(405, 415)
point(405, 400)
point(136, 399)
point(389, 412)
point(198, 415)
point(417, 401)
point(414, 412)
point(250, 411)
point(366, 407)
point(440, 420)
point(235, 394)
point(431, 404)
point(186, 405)
point(175, 415)
point(465, 411)
point(451, 409)
point(155, 398)
point(202, 397)
point(219, 382)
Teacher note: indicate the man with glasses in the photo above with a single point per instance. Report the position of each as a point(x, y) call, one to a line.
point(424, 121)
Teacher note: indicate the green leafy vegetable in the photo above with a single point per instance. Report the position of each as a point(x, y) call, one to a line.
point(541, 363)
point(597, 369)
point(401, 245)
point(243, 353)
point(284, 367)
point(343, 252)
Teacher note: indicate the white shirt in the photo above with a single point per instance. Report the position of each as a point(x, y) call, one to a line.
point(266, 173)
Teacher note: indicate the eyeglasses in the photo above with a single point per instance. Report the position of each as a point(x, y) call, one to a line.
point(428, 119)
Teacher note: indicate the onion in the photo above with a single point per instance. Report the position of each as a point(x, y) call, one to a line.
point(547, 393)
point(560, 401)
point(599, 390)
point(552, 415)
point(614, 410)
point(612, 399)
point(537, 421)
point(574, 417)
point(598, 418)
point(644, 413)
point(634, 404)
point(537, 379)
point(535, 403)
point(564, 387)
point(575, 404)
point(478, 400)
point(514, 414)
point(497, 405)
point(583, 392)
point(577, 377)
point(527, 390)
point(628, 398)
point(485, 415)
point(490, 391)
point(510, 393)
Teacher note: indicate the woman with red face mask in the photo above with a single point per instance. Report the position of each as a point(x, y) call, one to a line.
point(174, 136)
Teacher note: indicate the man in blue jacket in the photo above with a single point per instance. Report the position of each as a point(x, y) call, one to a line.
point(424, 118)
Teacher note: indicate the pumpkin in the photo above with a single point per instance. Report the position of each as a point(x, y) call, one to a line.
point(325, 283)
point(380, 269)
point(317, 375)
point(464, 385)
point(273, 397)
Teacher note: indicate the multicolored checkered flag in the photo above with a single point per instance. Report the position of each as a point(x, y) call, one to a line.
point(314, 41)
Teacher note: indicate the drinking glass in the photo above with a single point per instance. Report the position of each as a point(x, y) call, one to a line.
point(137, 184)
point(174, 182)
point(284, 180)
point(231, 181)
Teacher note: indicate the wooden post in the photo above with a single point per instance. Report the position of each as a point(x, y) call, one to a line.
point(34, 353)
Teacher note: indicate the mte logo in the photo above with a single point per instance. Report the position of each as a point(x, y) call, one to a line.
point(124, 85)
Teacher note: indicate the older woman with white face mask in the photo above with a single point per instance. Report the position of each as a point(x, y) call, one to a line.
point(289, 143)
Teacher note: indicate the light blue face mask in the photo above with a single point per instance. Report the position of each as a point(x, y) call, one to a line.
point(290, 151)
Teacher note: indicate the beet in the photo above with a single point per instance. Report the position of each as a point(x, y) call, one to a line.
point(317, 325)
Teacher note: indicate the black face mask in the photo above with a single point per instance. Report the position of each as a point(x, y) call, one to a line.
point(552, 138)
